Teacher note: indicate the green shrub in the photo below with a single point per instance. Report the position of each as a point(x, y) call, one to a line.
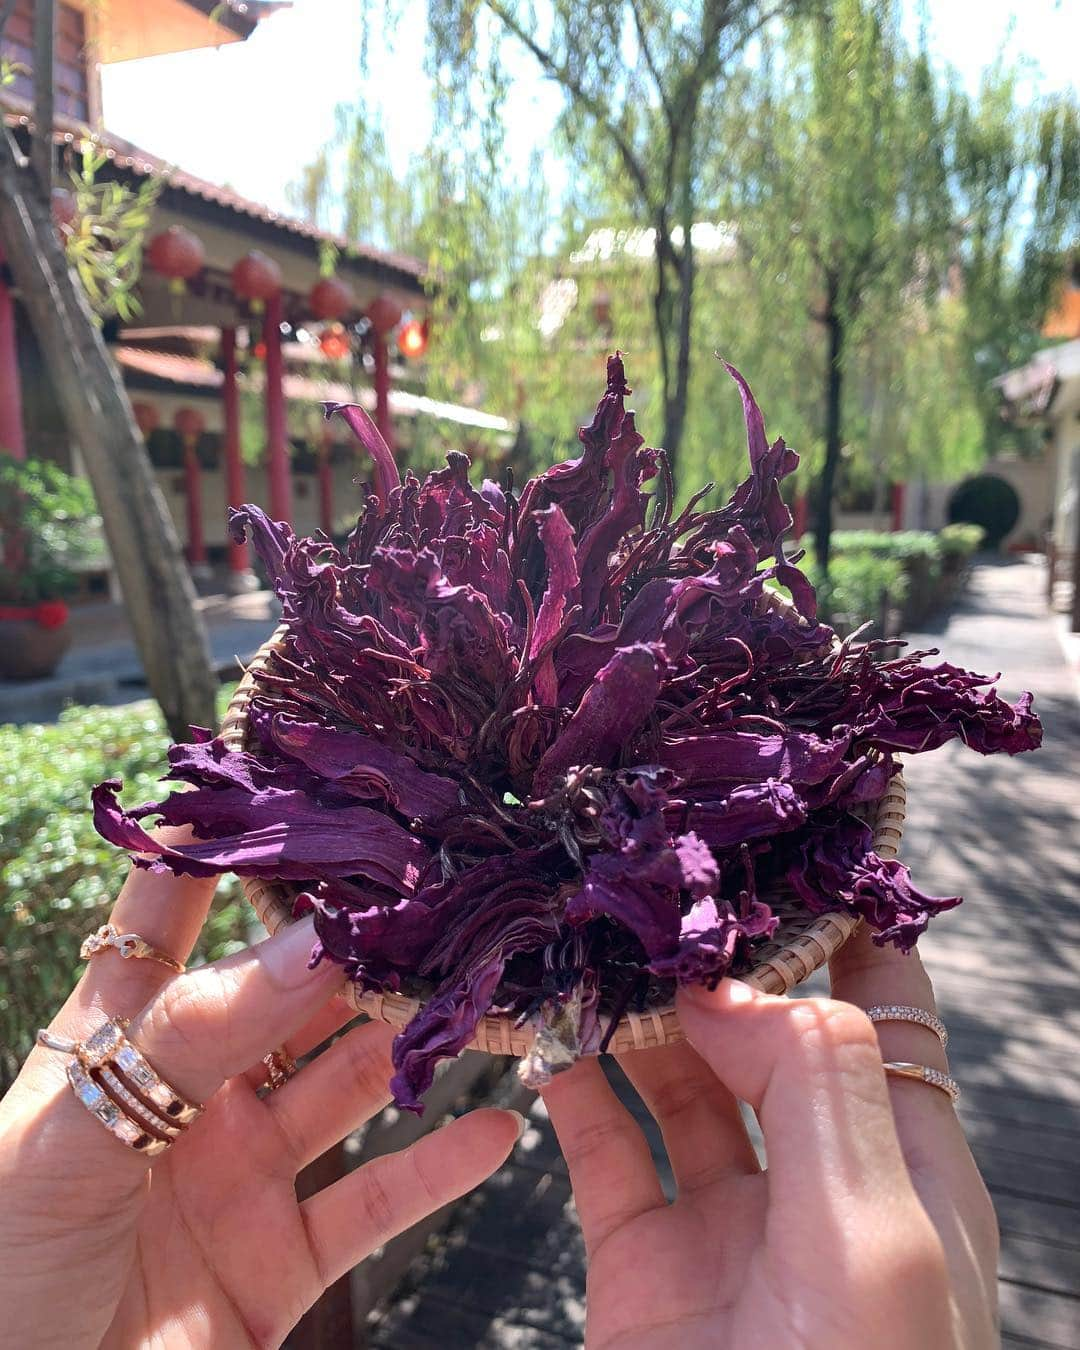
point(961, 540)
point(57, 876)
point(851, 594)
point(49, 527)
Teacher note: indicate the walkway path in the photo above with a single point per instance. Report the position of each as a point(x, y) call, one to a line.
point(1006, 833)
point(102, 665)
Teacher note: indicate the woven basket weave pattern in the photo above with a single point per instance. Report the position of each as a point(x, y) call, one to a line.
point(802, 943)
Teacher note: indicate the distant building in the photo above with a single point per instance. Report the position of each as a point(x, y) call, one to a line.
point(1046, 393)
point(208, 372)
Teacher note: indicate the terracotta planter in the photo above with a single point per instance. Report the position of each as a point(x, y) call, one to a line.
point(30, 649)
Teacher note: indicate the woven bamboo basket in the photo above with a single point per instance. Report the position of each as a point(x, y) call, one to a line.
point(801, 944)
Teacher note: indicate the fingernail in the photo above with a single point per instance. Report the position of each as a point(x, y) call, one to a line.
point(728, 993)
point(285, 957)
point(522, 1123)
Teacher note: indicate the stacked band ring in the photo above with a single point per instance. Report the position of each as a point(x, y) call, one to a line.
point(116, 1084)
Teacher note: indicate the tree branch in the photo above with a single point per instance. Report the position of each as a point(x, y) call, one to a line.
point(561, 74)
point(650, 61)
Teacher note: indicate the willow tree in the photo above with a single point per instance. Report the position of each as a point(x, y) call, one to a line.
point(640, 80)
point(1014, 184)
point(842, 196)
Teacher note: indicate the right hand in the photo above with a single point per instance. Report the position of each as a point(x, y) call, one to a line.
point(871, 1227)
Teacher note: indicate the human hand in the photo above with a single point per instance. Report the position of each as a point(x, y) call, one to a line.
point(210, 1247)
point(871, 1227)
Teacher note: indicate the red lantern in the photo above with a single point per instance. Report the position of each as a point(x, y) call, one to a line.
point(259, 351)
point(147, 418)
point(256, 278)
point(334, 343)
point(63, 207)
point(189, 423)
point(412, 340)
point(384, 314)
point(176, 253)
point(331, 298)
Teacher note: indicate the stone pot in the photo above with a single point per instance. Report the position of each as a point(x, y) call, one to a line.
point(29, 650)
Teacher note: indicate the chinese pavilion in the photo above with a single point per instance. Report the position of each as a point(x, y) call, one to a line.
point(241, 330)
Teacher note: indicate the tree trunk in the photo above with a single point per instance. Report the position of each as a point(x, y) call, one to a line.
point(169, 632)
point(834, 379)
point(675, 404)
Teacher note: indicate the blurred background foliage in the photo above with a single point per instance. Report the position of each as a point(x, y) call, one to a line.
point(796, 186)
point(58, 878)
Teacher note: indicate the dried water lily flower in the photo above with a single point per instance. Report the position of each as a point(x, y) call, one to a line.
point(545, 755)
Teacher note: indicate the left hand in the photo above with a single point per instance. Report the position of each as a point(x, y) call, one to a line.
point(208, 1246)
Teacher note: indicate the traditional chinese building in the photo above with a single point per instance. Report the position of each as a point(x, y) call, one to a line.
point(247, 318)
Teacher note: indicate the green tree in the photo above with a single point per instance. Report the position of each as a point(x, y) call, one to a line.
point(842, 210)
point(1014, 182)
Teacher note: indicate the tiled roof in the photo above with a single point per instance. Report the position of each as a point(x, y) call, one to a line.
point(143, 164)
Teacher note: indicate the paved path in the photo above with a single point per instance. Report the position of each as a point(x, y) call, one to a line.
point(1003, 832)
point(102, 665)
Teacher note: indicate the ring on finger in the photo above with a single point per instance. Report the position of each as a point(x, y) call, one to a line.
point(128, 945)
point(280, 1067)
point(924, 1073)
point(903, 1012)
point(114, 1081)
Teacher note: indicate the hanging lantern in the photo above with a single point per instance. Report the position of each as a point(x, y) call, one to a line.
point(259, 351)
point(256, 278)
point(384, 315)
point(413, 339)
point(331, 298)
point(64, 208)
point(189, 423)
point(147, 418)
point(334, 342)
point(177, 254)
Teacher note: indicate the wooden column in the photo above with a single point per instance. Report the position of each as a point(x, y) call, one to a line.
point(385, 315)
point(241, 577)
point(898, 494)
point(189, 426)
point(12, 436)
point(277, 442)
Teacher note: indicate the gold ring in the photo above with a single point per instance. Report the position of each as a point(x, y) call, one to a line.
point(118, 1086)
point(924, 1073)
point(128, 945)
point(280, 1067)
point(902, 1012)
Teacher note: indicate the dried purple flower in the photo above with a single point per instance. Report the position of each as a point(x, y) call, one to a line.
point(541, 756)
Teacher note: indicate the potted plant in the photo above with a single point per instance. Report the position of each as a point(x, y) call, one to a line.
point(48, 525)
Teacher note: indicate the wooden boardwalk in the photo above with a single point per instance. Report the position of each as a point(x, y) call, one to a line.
point(1004, 833)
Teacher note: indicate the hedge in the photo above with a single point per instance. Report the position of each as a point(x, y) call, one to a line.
point(57, 876)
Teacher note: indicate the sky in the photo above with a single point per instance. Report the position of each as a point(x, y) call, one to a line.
point(250, 115)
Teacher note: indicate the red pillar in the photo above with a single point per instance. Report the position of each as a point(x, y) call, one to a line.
point(239, 558)
point(382, 389)
point(12, 438)
point(188, 424)
point(326, 485)
point(898, 493)
point(277, 443)
point(385, 315)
